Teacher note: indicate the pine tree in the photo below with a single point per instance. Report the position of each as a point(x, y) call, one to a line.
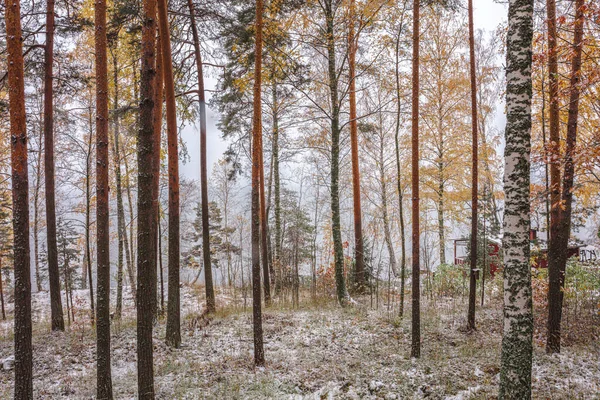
point(104, 378)
point(208, 281)
point(474, 172)
point(20, 195)
point(358, 236)
point(58, 323)
point(329, 8)
point(173, 335)
point(416, 237)
point(146, 281)
point(68, 255)
point(259, 353)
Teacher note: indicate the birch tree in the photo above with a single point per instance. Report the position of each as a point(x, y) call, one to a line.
point(517, 346)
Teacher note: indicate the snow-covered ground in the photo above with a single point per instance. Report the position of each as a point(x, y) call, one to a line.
point(317, 352)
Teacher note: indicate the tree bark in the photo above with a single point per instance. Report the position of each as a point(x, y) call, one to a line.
point(399, 175)
point(264, 229)
point(416, 268)
point(160, 265)
point(121, 232)
point(104, 379)
point(338, 250)
point(259, 354)
point(146, 278)
point(157, 117)
point(560, 240)
point(474, 172)
point(359, 269)
point(440, 202)
point(20, 195)
point(88, 224)
point(276, 190)
point(554, 149)
point(208, 279)
point(36, 217)
point(56, 311)
point(517, 346)
point(173, 336)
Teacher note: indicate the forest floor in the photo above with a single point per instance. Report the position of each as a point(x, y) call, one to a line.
point(319, 351)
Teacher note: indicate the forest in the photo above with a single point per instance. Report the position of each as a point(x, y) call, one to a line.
point(300, 199)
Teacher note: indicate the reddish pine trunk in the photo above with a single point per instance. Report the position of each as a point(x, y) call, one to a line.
point(416, 269)
point(146, 275)
point(173, 337)
point(20, 193)
point(474, 205)
point(359, 270)
point(210, 293)
point(104, 379)
point(56, 311)
point(259, 355)
point(560, 240)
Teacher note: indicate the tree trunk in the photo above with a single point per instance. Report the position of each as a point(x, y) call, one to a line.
point(160, 265)
point(416, 268)
point(36, 216)
point(58, 322)
point(121, 233)
point(20, 196)
point(104, 379)
point(338, 250)
point(560, 240)
point(385, 216)
point(131, 250)
point(554, 288)
point(399, 176)
point(441, 208)
point(146, 278)
point(157, 117)
point(259, 354)
point(277, 191)
point(314, 248)
point(359, 269)
point(208, 279)
point(84, 269)
point(515, 371)
point(474, 172)
point(88, 224)
point(66, 284)
point(173, 336)
point(264, 228)
point(2, 292)
point(268, 201)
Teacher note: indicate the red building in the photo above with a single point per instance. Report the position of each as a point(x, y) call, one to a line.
point(491, 260)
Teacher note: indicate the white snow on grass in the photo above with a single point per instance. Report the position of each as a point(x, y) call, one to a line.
point(317, 352)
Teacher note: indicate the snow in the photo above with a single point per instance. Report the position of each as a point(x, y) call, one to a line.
point(317, 352)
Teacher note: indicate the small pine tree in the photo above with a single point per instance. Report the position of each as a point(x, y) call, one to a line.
point(69, 256)
point(218, 238)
